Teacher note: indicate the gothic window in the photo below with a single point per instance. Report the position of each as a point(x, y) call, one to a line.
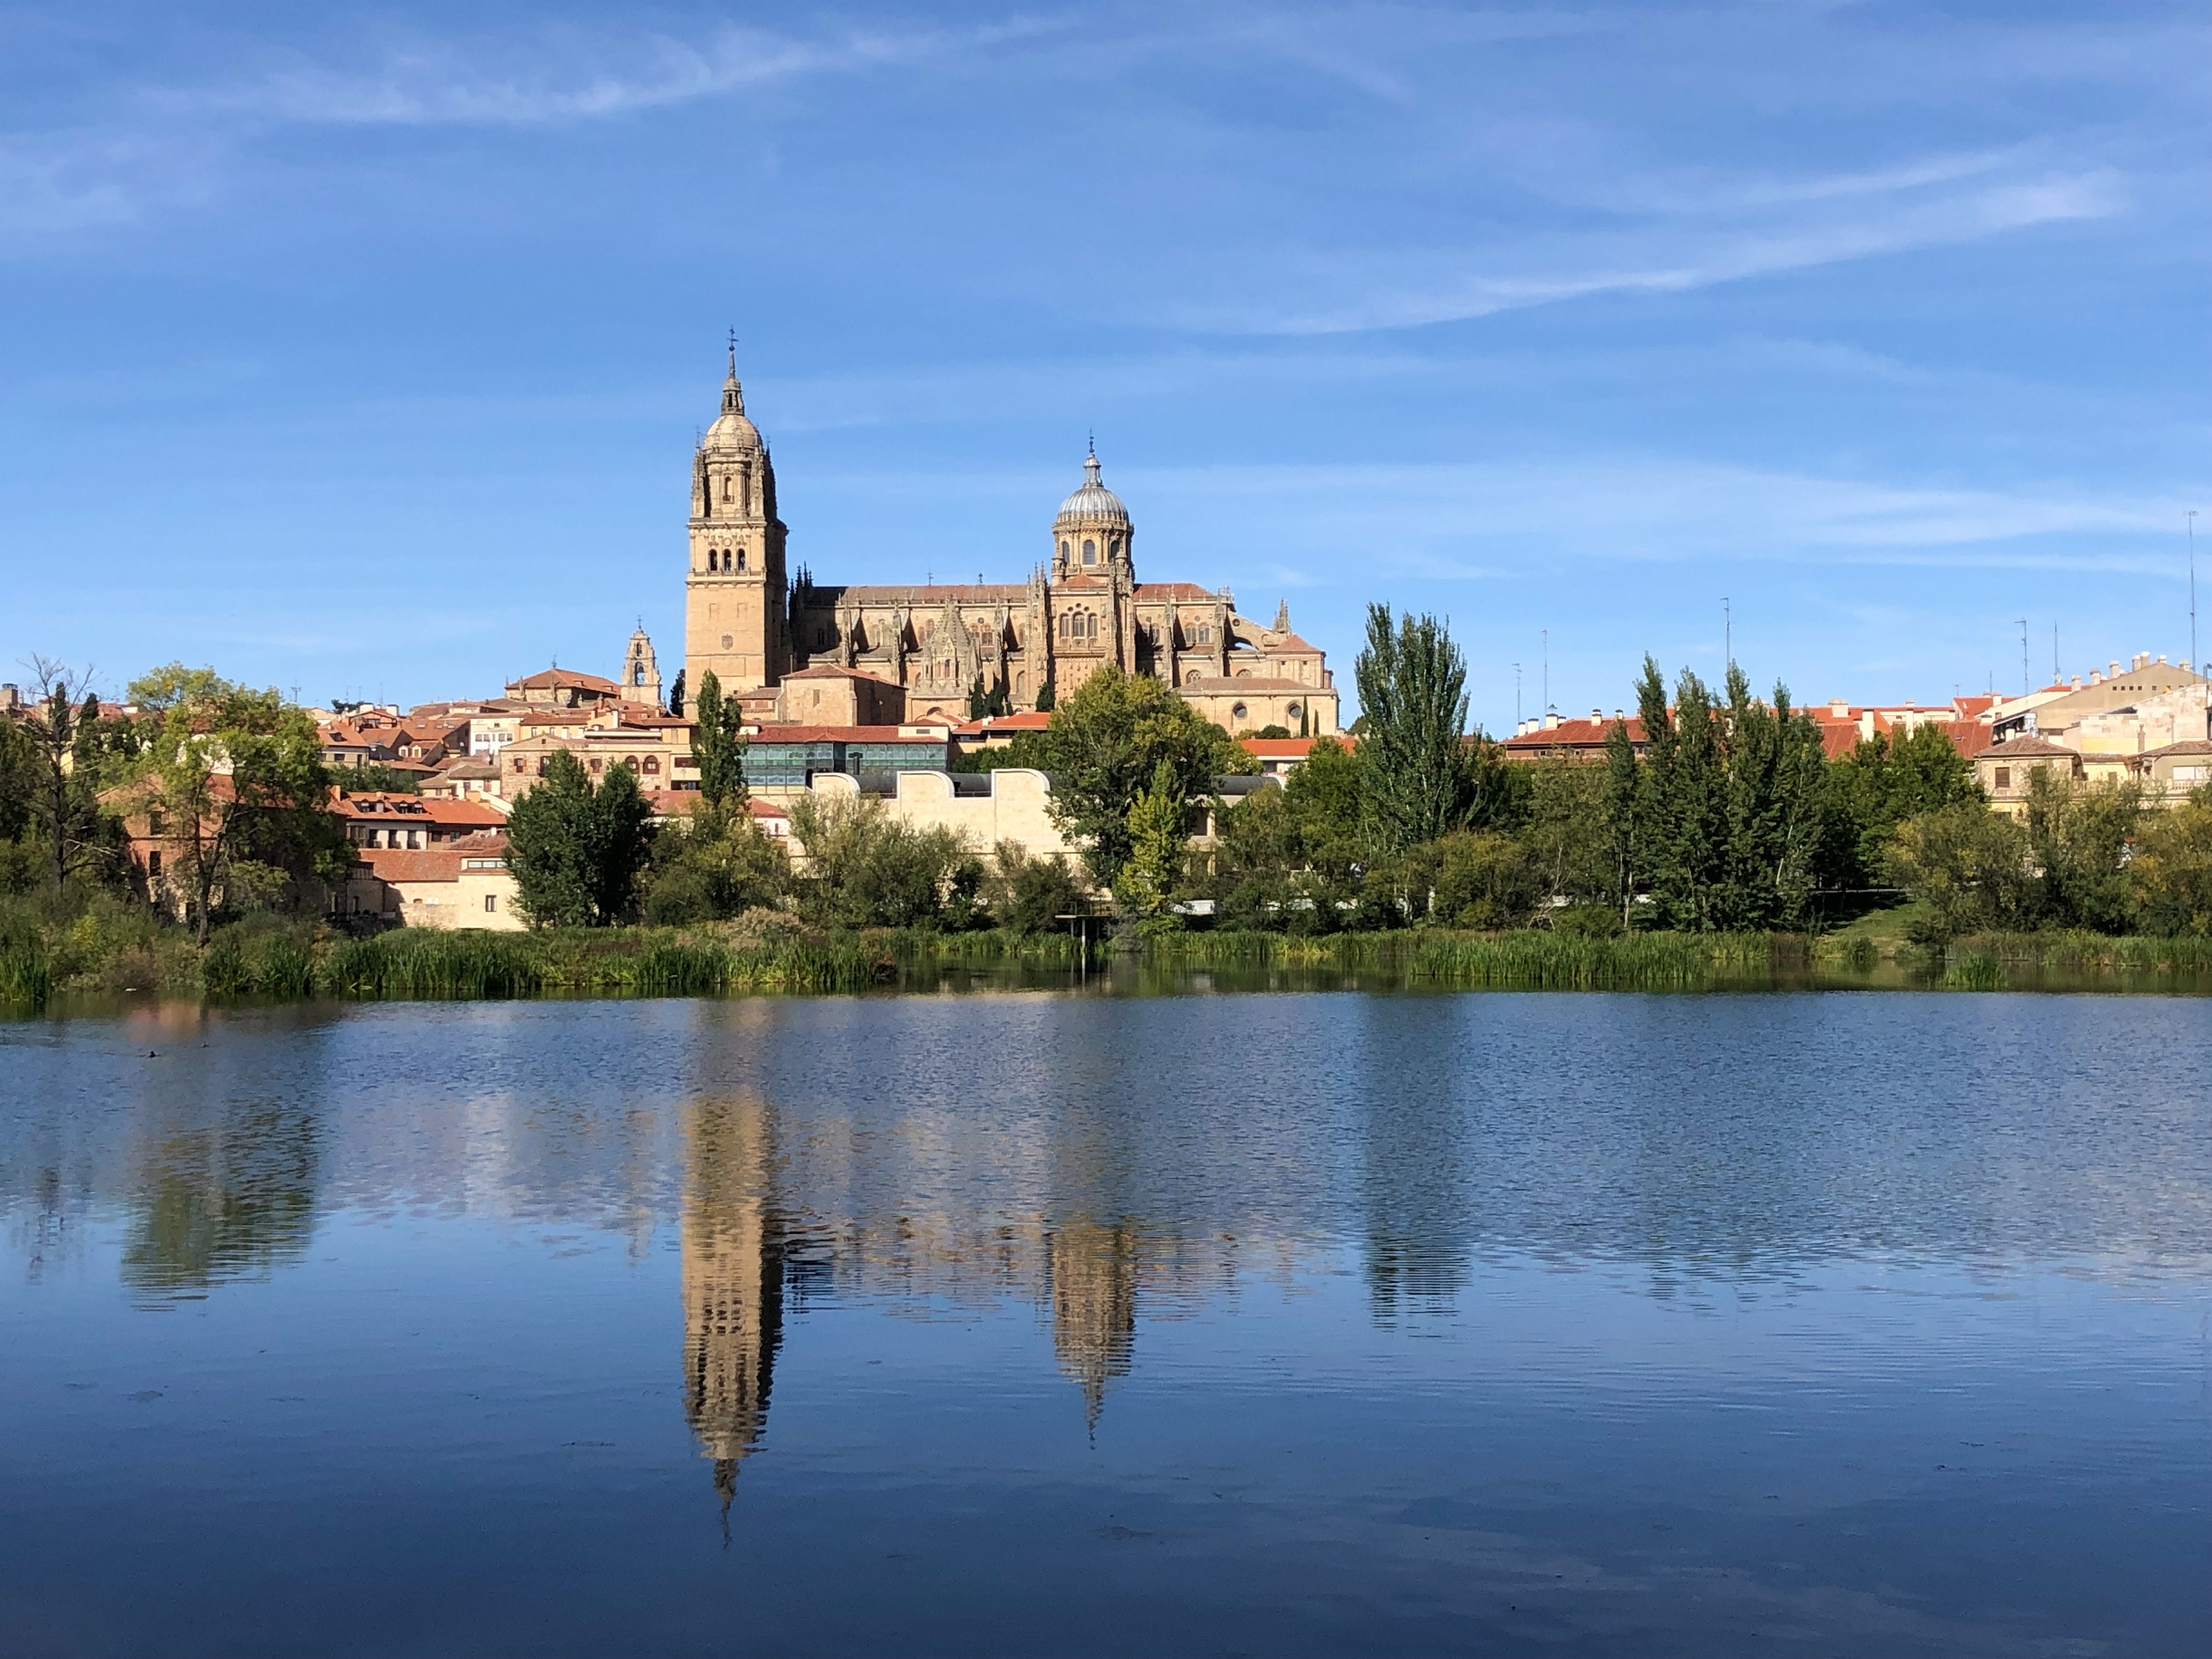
point(1191, 678)
point(726, 486)
point(741, 558)
point(1089, 551)
point(1063, 550)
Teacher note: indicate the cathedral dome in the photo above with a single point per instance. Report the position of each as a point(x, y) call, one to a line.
point(1093, 503)
point(732, 430)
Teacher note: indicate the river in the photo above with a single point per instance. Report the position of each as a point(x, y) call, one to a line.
point(1042, 1322)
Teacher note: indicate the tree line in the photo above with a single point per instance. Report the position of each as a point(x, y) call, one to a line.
point(1730, 817)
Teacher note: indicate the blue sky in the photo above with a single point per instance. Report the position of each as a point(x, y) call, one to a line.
point(361, 350)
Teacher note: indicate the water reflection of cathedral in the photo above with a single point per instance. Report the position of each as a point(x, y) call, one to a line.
point(733, 1282)
point(1093, 1270)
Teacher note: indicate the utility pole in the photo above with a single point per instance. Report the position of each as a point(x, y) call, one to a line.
point(2026, 674)
point(2055, 676)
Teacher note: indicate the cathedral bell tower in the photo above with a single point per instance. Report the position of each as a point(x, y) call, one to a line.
point(736, 615)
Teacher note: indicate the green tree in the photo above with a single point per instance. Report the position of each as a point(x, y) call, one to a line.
point(718, 865)
point(2078, 840)
point(1029, 896)
point(1104, 748)
point(1483, 879)
point(1565, 832)
point(676, 695)
point(577, 852)
point(1159, 839)
point(1730, 804)
point(718, 745)
point(1046, 698)
point(58, 728)
point(1969, 865)
point(1423, 776)
point(2172, 870)
point(1883, 781)
point(866, 869)
point(236, 780)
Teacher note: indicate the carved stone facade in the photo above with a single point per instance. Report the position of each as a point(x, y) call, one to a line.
point(1081, 607)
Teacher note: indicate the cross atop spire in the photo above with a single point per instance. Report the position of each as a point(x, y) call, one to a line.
point(733, 354)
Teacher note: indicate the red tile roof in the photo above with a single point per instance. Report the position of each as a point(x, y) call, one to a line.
point(553, 679)
point(1579, 732)
point(1161, 591)
point(445, 813)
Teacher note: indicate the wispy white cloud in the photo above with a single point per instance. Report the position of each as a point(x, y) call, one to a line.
point(1377, 290)
point(1464, 520)
point(557, 77)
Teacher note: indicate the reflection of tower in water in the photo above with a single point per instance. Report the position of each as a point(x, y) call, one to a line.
point(1094, 1305)
point(732, 1283)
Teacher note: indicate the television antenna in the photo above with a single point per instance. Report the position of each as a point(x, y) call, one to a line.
point(2026, 674)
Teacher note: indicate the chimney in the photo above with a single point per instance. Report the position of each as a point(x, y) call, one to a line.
point(1840, 706)
point(1597, 717)
point(2112, 669)
point(2161, 659)
point(2141, 660)
point(1551, 722)
point(2077, 682)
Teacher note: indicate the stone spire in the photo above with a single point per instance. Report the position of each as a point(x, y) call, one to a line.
point(1283, 617)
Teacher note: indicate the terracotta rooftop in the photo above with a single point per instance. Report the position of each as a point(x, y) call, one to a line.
point(553, 679)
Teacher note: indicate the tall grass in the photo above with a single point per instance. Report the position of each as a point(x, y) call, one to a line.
point(415, 963)
point(1534, 958)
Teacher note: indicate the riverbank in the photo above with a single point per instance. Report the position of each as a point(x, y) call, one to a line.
point(119, 951)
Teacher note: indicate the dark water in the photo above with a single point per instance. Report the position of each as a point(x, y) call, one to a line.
point(1073, 1325)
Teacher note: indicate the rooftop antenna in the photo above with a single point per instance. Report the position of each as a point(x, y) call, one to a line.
point(2026, 674)
point(2190, 517)
point(1728, 632)
point(1547, 636)
point(1517, 696)
point(2055, 676)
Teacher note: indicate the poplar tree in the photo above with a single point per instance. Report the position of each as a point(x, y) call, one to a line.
point(717, 746)
point(1419, 774)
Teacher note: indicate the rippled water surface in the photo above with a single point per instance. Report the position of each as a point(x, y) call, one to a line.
point(1048, 1323)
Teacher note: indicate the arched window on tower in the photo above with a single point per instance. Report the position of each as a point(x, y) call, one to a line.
point(1063, 550)
point(741, 558)
point(1089, 551)
point(726, 486)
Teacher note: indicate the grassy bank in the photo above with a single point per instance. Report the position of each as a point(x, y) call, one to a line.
point(105, 946)
point(1531, 958)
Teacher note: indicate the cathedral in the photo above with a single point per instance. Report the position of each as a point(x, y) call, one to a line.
point(755, 625)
